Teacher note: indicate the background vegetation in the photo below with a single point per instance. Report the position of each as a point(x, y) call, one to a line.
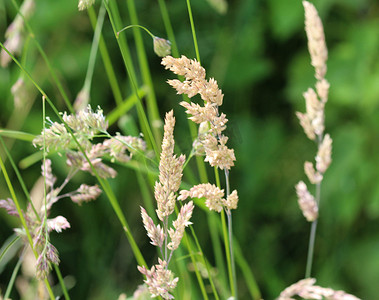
point(257, 52)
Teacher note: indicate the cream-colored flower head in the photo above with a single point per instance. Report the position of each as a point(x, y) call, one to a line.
point(316, 39)
point(155, 233)
point(84, 4)
point(214, 142)
point(170, 171)
point(313, 176)
point(213, 195)
point(307, 289)
point(307, 202)
point(324, 154)
point(160, 280)
point(313, 120)
point(176, 233)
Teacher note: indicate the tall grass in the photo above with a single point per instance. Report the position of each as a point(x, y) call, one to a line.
point(86, 151)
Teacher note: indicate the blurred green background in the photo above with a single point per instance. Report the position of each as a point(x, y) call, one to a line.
point(257, 51)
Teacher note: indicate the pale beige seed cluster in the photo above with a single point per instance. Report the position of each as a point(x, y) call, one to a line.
point(176, 233)
point(313, 120)
point(316, 40)
point(307, 289)
point(84, 126)
point(159, 279)
point(38, 221)
point(170, 171)
point(154, 232)
point(84, 4)
point(214, 141)
point(85, 193)
point(307, 202)
point(214, 196)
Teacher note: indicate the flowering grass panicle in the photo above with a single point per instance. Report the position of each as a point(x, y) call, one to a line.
point(85, 193)
point(214, 196)
point(159, 278)
point(170, 171)
point(307, 289)
point(76, 134)
point(38, 222)
point(83, 126)
point(211, 140)
point(176, 233)
point(307, 202)
point(316, 39)
point(155, 233)
point(313, 120)
point(214, 142)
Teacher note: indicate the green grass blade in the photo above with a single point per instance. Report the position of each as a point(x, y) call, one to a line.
point(18, 135)
point(13, 278)
point(106, 60)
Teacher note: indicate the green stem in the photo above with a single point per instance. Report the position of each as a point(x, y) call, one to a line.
point(225, 234)
point(312, 237)
point(61, 282)
point(168, 27)
point(138, 26)
point(22, 183)
point(206, 264)
point(233, 284)
point(193, 31)
point(248, 275)
point(92, 57)
point(152, 106)
point(23, 221)
point(197, 272)
point(106, 60)
point(145, 127)
point(10, 244)
point(13, 277)
point(19, 177)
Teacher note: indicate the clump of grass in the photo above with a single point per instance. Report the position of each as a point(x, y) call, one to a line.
point(82, 137)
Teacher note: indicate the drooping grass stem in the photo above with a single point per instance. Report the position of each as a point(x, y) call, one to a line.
point(145, 127)
point(138, 26)
point(151, 99)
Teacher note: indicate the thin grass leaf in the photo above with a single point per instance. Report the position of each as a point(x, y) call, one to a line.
point(18, 135)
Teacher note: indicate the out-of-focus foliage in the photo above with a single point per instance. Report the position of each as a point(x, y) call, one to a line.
point(257, 51)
